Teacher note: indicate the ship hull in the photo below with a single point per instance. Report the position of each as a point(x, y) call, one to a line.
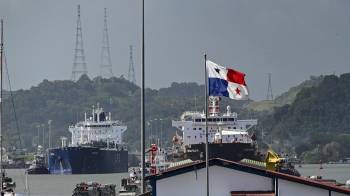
point(37, 170)
point(228, 151)
point(87, 160)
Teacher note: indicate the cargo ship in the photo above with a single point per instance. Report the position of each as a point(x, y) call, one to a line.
point(96, 147)
point(228, 136)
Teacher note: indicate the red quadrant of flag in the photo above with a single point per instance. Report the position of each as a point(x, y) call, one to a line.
point(235, 76)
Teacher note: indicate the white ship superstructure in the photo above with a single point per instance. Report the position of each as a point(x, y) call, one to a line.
point(222, 127)
point(97, 128)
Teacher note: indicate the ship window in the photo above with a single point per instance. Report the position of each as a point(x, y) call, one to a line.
point(194, 128)
point(198, 120)
point(229, 127)
point(231, 119)
point(195, 137)
point(234, 127)
point(210, 120)
point(199, 128)
point(224, 119)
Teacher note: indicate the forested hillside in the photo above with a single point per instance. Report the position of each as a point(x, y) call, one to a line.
point(64, 102)
point(286, 97)
point(316, 126)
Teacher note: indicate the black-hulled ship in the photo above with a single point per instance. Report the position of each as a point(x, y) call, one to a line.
point(228, 136)
point(96, 147)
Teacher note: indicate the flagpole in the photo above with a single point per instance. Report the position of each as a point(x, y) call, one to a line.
point(206, 125)
point(143, 100)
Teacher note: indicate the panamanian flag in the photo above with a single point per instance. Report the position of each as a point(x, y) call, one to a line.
point(226, 82)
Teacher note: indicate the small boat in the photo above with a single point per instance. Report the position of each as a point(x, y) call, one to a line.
point(8, 185)
point(131, 186)
point(347, 184)
point(38, 165)
point(321, 166)
point(94, 189)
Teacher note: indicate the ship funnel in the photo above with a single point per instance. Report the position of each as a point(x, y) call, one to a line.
point(214, 107)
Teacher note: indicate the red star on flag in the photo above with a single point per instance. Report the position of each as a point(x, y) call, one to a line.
point(238, 92)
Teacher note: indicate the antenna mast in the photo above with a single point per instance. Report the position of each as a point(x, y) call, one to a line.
point(79, 65)
point(131, 73)
point(269, 95)
point(106, 62)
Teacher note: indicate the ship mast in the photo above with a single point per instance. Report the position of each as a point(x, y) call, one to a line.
point(1, 75)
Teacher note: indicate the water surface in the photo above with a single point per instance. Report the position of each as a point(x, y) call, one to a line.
point(59, 185)
point(63, 185)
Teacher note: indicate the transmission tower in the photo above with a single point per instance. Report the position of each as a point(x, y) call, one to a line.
point(79, 65)
point(131, 73)
point(269, 95)
point(106, 62)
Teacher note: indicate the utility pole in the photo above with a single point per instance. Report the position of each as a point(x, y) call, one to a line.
point(43, 130)
point(49, 123)
point(38, 129)
point(1, 76)
point(142, 134)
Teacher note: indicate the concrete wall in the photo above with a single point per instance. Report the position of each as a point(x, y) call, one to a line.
point(222, 182)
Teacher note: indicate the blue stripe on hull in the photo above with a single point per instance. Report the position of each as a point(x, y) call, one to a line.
point(87, 160)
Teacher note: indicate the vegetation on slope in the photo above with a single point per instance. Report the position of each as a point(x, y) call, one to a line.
point(65, 102)
point(285, 98)
point(316, 125)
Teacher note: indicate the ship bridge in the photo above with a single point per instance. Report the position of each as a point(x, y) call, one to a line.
point(99, 127)
point(192, 124)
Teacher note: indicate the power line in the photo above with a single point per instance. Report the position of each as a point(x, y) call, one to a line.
point(106, 62)
point(131, 73)
point(79, 65)
point(269, 95)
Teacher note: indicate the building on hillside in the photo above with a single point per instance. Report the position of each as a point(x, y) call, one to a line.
point(237, 179)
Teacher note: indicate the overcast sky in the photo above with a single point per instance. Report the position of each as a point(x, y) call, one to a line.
point(292, 39)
